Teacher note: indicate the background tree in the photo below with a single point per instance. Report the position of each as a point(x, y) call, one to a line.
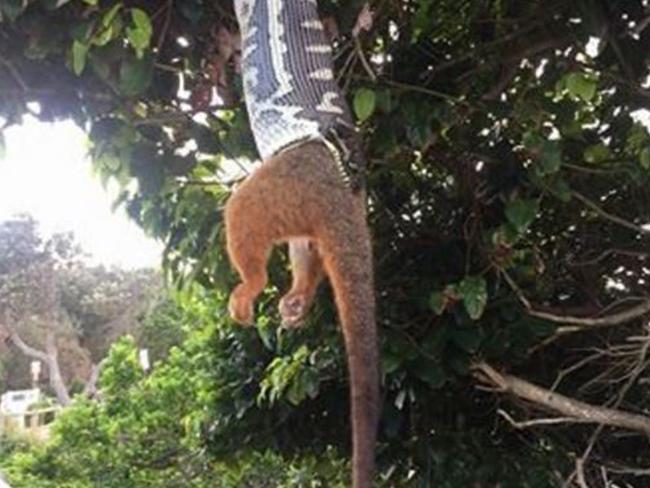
point(508, 183)
point(30, 295)
point(57, 309)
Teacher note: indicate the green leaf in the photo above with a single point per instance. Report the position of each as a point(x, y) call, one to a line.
point(474, 292)
point(547, 153)
point(103, 37)
point(561, 189)
point(82, 31)
point(135, 75)
point(437, 302)
point(435, 342)
point(296, 393)
point(364, 103)
point(597, 153)
point(550, 157)
point(422, 19)
point(581, 85)
point(79, 56)
point(141, 20)
point(12, 9)
point(384, 101)
point(645, 158)
point(265, 333)
point(140, 34)
point(390, 362)
point(207, 141)
point(637, 138)
point(467, 338)
point(460, 363)
point(431, 373)
point(521, 213)
point(108, 17)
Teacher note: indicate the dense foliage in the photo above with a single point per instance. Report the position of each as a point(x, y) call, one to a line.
point(508, 189)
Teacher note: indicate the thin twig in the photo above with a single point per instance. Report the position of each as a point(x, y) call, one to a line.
point(364, 61)
point(165, 27)
point(594, 171)
point(606, 215)
point(630, 471)
point(537, 422)
point(180, 115)
point(574, 367)
point(609, 252)
point(420, 89)
point(14, 73)
point(614, 319)
point(582, 460)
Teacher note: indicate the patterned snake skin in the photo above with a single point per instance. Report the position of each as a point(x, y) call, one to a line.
point(289, 86)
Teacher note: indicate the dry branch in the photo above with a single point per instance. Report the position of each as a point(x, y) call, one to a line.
point(613, 319)
point(537, 422)
point(563, 405)
point(608, 320)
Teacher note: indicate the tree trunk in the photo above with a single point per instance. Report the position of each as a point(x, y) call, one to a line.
point(49, 358)
point(56, 378)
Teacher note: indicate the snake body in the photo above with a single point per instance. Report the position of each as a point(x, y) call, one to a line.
point(289, 86)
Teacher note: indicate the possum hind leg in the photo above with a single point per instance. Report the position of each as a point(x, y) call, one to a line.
point(307, 272)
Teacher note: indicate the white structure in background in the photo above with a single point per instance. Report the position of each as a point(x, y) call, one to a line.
point(3, 483)
point(18, 415)
point(144, 360)
point(35, 368)
point(17, 402)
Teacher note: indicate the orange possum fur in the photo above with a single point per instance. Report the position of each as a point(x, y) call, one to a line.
point(298, 196)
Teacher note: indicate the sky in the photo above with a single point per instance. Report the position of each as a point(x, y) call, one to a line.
point(46, 173)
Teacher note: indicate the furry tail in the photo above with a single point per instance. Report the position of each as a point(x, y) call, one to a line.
point(348, 263)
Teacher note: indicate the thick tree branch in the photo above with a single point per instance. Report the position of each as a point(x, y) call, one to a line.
point(56, 377)
point(24, 348)
point(90, 390)
point(563, 405)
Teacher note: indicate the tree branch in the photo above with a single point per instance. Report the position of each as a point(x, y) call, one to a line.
point(14, 73)
point(612, 218)
point(614, 319)
point(90, 390)
point(165, 27)
point(24, 348)
point(555, 402)
point(535, 422)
